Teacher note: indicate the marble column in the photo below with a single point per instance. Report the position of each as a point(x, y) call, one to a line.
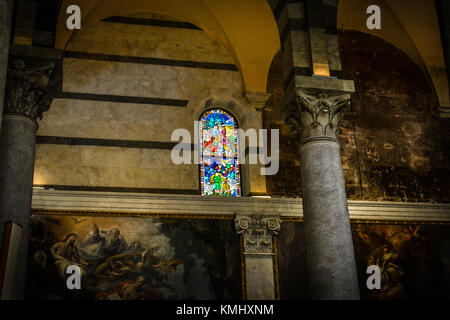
point(6, 11)
point(329, 247)
point(25, 101)
point(258, 249)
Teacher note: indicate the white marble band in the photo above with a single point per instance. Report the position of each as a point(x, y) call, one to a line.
point(198, 205)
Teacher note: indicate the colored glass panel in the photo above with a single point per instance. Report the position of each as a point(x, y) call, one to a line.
point(220, 175)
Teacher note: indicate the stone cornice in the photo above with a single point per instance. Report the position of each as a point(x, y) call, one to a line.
point(26, 88)
point(287, 208)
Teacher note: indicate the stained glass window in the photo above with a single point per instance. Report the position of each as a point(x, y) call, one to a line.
point(219, 166)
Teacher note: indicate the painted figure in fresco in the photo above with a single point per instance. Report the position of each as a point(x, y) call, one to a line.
point(68, 250)
point(391, 273)
point(102, 244)
point(124, 264)
point(157, 269)
point(65, 253)
point(149, 262)
point(143, 270)
point(130, 290)
point(404, 257)
point(118, 266)
point(160, 263)
point(40, 243)
point(135, 246)
point(138, 291)
point(382, 251)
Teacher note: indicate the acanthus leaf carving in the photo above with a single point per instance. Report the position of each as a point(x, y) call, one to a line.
point(316, 115)
point(26, 89)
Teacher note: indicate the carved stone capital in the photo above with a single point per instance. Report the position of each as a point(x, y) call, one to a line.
point(258, 232)
point(316, 116)
point(26, 89)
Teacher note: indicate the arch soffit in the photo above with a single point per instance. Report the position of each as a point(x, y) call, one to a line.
point(409, 25)
point(246, 29)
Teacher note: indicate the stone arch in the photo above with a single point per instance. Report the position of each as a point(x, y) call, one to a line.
point(411, 26)
point(247, 29)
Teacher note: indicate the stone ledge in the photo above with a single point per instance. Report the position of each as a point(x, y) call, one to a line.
point(51, 200)
point(37, 52)
point(318, 83)
point(444, 111)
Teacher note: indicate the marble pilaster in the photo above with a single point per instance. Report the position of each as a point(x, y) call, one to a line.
point(258, 247)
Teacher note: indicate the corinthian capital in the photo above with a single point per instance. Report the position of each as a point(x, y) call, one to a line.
point(316, 116)
point(258, 232)
point(26, 89)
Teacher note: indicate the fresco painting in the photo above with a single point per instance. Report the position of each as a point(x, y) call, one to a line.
point(414, 260)
point(134, 258)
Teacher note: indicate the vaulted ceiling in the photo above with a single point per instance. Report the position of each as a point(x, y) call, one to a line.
point(247, 29)
point(410, 25)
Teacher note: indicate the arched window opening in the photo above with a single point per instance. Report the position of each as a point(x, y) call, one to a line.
point(219, 163)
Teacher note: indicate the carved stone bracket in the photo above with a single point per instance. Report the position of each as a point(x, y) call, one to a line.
point(316, 116)
point(258, 232)
point(26, 89)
